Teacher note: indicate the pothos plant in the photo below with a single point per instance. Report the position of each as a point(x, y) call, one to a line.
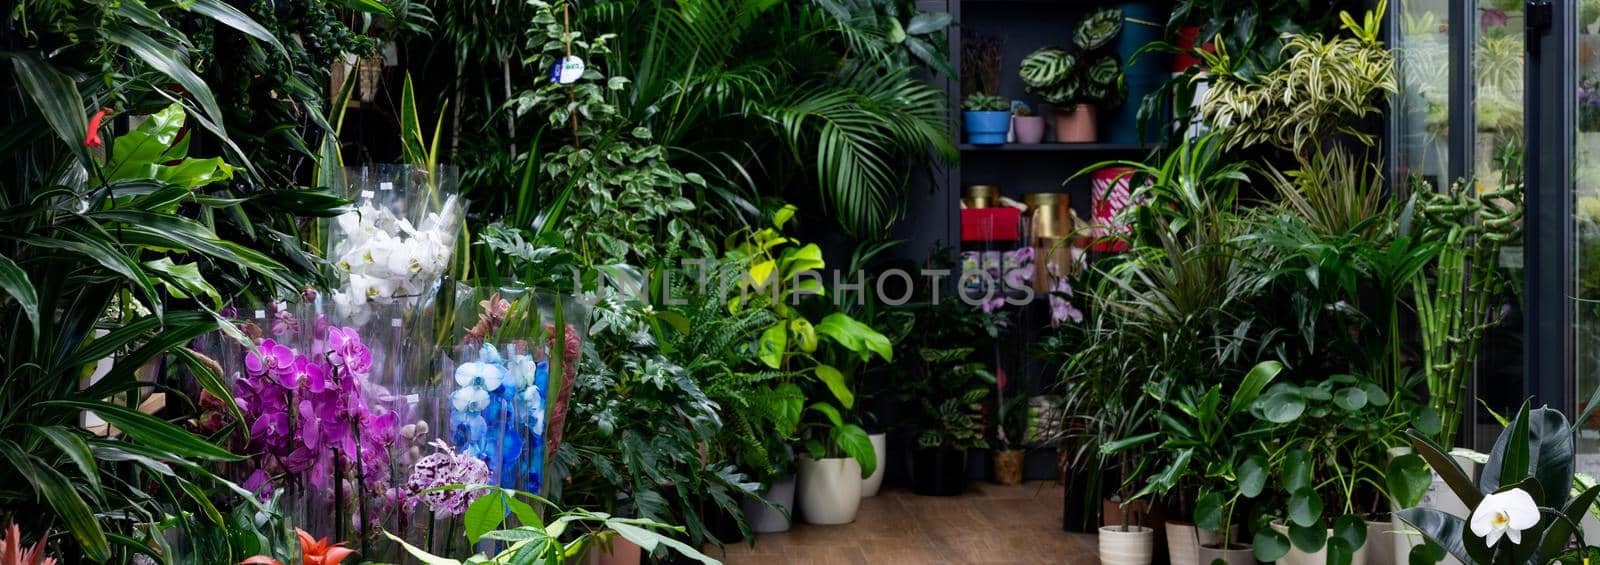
point(781, 274)
point(1085, 74)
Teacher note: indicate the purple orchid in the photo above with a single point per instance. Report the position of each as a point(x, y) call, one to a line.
point(270, 356)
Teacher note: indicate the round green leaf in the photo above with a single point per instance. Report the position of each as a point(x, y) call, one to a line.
point(1305, 507)
point(1350, 529)
point(1280, 407)
point(1426, 554)
point(1269, 545)
point(1297, 470)
point(1252, 476)
point(1340, 552)
point(1426, 420)
point(1408, 479)
point(1309, 539)
point(1351, 399)
point(1375, 394)
point(1316, 393)
point(1208, 512)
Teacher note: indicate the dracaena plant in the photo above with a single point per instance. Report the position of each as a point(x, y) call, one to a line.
point(1523, 509)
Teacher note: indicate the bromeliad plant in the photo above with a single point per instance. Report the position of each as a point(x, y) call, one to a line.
point(1525, 507)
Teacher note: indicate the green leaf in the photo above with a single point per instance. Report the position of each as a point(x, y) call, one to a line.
point(1280, 407)
point(649, 541)
point(1252, 385)
point(423, 556)
point(1309, 539)
point(57, 98)
point(1351, 530)
point(785, 410)
point(1351, 399)
point(1297, 470)
point(1269, 545)
point(72, 445)
point(774, 343)
point(1445, 530)
point(368, 6)
point(1426, 553)
point(164, 60)
point(856, 336)
point(835, 382)
point(853, 441)
point(184, 280)
point(1252, 475)
point(485, 514)
point(1340, 552)
point(1305, 507)
point(64, 499)
point(232, 17)
point(151, 431)
point(1408, 479)
point(1559, 532)
point(1511, 452)
point(928, 22)
point(828, 411)
point(16, 283)
point(1445, 466)
point(1208, 512)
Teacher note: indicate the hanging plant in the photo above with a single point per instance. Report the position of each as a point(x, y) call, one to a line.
point(1098, 29)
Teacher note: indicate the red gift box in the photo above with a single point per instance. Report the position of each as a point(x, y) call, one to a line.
point(991, 224)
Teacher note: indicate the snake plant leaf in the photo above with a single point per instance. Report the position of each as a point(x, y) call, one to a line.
point(1098, 29)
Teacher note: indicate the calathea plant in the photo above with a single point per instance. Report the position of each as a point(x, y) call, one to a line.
point(1523, 509)
point(1085, 74)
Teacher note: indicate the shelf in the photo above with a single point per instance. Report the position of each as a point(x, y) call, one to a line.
point(1057, 147)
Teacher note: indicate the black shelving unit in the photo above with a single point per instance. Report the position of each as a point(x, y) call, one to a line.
point(933, 214)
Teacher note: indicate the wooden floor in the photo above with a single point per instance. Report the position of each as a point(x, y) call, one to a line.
point(990, 524)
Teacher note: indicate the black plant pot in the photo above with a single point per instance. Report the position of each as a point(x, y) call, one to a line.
point(939, 471)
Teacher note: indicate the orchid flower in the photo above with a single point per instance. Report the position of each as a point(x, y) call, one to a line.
point(1504, 514)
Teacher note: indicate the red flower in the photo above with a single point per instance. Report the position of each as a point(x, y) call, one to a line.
point(92, 137)
point(312, 552)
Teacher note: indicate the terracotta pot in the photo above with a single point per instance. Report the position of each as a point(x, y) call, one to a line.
point(1236, 554)
point(1008, 467)
point(621, 552)
point(1028, 129)
point(830, 490)
point(1077, 125)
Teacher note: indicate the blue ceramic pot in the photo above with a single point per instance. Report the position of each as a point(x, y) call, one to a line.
point(1141, 26)
point(987, 128)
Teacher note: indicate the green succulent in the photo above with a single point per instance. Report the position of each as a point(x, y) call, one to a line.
point(980, 102)
point(1098, 29)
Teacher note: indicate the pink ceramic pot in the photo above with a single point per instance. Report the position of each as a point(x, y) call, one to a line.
point(1029, 129)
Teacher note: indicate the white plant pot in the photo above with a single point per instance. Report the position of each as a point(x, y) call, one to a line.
point(1134, 546)
point(1378, 538)
point(1184, 541)
point(764, 519)
point(830, 490)
point(1239, 555)
point(880, 446)
point(1298, 557)
point(1439, 496)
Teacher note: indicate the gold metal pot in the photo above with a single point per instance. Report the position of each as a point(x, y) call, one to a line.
point(1050, 214)
point(982, 196)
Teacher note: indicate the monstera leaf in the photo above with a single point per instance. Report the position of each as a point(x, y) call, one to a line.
point(1098, 29)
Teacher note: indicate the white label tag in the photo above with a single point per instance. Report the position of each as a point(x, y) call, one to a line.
point(261, 313)
point(366, 194)
point(385, 186)
point(394, 322)
point(571, 70)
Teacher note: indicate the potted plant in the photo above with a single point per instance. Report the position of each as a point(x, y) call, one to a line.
point(1328, 461)
point(838, 456)
point(1213, 464)
point(1028, 127)
point(1527, 505)
point(1079, 80)
point(1010, 435)
point(945, 395)
point(986, 119)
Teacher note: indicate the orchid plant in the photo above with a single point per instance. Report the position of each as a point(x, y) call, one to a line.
point(1523, 509)
point(382, 255)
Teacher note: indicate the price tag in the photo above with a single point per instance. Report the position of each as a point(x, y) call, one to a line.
point(394, 322)
point(567, 71)
point(261, 313)
point(385, 186)
point(366, 194)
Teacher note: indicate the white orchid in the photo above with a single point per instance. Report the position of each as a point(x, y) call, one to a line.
point(470, 399)
point(385, 256)
point(482, 375)
point(1504, 514)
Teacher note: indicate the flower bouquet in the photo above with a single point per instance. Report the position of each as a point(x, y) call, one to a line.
point(398, 242)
